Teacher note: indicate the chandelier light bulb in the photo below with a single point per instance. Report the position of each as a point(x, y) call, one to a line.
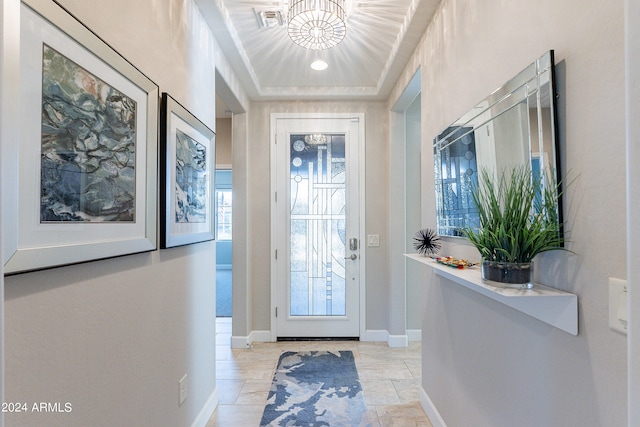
point(319, 65)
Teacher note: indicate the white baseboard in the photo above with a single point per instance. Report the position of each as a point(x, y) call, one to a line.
point(431, 410)
point(207, 410)
point(246, 341)
point(398, 341)
point(260, 336)
point(240, 342)
point(375, 335)
point(414, 335)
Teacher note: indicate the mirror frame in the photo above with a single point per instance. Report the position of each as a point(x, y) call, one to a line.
point(535, 88)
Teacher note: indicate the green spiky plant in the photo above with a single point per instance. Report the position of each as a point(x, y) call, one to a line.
point(518, 216)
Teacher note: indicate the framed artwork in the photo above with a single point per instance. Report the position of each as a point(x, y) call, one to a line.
point(187, 175)
point(85, 166)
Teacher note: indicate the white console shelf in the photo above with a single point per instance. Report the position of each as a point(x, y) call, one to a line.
point(552, 306)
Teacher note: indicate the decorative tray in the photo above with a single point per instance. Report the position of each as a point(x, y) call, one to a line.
point(454, 262)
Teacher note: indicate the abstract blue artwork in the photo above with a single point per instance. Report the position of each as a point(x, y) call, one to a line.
point(191, 179)
point(88, 152)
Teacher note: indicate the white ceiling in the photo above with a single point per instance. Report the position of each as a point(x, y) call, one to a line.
point(381, 36)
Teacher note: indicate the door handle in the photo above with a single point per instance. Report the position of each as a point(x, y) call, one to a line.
point(352, 257)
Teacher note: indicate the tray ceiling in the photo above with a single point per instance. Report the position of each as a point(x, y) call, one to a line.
point(381, 36)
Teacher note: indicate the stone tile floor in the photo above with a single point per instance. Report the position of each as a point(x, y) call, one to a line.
point(390, 379)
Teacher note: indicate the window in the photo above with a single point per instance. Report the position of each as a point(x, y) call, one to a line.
point(223, 214)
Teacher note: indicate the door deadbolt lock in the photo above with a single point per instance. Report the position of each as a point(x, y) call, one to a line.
point(353, 244)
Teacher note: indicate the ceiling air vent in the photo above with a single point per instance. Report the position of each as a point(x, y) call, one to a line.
point(269, 18)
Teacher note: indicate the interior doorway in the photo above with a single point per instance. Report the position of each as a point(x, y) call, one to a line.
point(228, 109)
point(405, 207)
point(413, 191)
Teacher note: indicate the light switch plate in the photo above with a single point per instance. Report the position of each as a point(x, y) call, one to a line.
point(618, 305)
point(373, 240)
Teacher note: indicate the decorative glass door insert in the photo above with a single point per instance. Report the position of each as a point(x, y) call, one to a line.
point(317, 225)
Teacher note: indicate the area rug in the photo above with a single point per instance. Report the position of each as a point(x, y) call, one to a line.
point(315, 388)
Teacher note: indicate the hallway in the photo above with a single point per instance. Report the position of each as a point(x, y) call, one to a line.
point(390, 379)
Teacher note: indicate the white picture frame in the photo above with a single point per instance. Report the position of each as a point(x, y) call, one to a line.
point(33, 238)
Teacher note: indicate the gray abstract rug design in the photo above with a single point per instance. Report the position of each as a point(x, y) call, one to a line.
point(315, 388)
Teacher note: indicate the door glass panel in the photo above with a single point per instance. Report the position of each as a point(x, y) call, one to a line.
point(317, 224)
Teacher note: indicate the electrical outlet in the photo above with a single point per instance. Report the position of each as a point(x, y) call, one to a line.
point(182, 386)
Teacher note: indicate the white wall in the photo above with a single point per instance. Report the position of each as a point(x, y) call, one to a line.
point(113, 337)
point(484, 364)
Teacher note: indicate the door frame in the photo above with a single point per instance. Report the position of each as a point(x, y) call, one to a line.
point(632, 104)
point(361, 201)
point(400, 269)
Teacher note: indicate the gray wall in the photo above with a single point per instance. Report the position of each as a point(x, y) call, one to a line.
point(485, 364)
point(241, 250)
point(223, 143)
point(114, 337)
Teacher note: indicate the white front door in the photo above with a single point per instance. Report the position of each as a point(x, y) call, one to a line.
point(317, 256)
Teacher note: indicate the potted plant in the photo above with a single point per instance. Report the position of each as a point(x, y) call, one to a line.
point(518, 219)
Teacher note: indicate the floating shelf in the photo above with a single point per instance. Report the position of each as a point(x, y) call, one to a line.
point(552, 306)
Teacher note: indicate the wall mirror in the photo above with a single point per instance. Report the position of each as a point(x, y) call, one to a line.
point(515, 125)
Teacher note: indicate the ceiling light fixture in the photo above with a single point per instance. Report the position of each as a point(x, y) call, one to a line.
point(319, 65)
point(317, 24)
point(316, 139)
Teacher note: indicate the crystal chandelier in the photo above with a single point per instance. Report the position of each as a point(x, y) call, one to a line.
point(315, 139)
point(317, 24)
